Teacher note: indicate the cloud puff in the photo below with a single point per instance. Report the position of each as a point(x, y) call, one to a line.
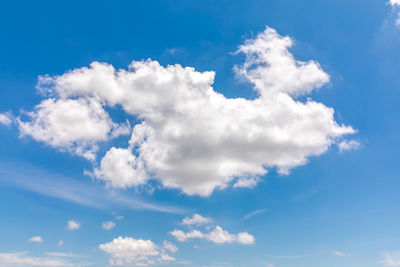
point(127, 251)
point(391, 259)
point(74, 125)
point(191, 137)
point(170, 247)
point(348, 145)
point(120, 168)
point(6, 118)
point(108, 225)
point(196, 219)
point(339, 253)
point(396, 4)
point(73, 225)
point(244, 182)
point(218, 235)
point(36, 239)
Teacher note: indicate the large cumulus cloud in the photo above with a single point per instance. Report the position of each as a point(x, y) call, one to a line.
point(190, 136)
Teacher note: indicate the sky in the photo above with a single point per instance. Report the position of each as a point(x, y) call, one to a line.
point(200, 133)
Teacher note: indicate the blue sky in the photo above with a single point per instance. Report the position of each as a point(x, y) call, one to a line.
point(275, 147)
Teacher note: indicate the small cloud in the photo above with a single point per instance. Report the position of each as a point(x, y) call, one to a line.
point(73, 225)
point(36, 239)
point(218, 236)
point(169, 246)
point(246, 182)
point(108, 225)
point(6, 118)
point(245, 238)
point(251, 214)
point(339, 253)
point(196, 219)
point(394, 2)
point(119, 217)
point(391, 259)
point(348, 145)
point(60, 243)
point(396, 5)
point(128, 251)
point(270, 265)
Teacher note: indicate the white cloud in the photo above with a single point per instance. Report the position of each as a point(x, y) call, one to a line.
point(73, 225)
point(196, 219)
point(60, 243)
point(251, 214)
point(74, 125)
point(182, 236)
point(244, 182)
point(218, 235)
point(120, 168)
point(396, 4)
point(391, 259)
point(348, 145)
point(21, 259)
point(339, 253)
point(119, 217)
point(273, 70)
point(170, 247)
point(6, 118)
point(165, 258)
point(191, 137)
point(245, 238)
point(108, 225)
point(127, 251)
point(36, 239)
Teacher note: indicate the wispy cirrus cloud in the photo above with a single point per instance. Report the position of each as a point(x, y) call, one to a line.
point(254, 213)
point(24, 259)
point(84, 193)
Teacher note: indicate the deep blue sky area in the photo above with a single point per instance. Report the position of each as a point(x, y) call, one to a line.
point(338, 209)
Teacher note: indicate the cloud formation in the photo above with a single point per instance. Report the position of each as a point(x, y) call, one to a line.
point(74, 125)
point(73, 225)
point(391, 259)
point(108, 225)
point(218, 236)
point(190, 137)
point(254, 213)
point(23, 259)
point(339, 253)
point(196, 219)
point(127, 251)
point(396, 4)
point(348, 145)
point(36, 239)
point(6, 118)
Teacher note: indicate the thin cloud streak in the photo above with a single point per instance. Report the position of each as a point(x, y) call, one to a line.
point(251, 214)
point(86, 194)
